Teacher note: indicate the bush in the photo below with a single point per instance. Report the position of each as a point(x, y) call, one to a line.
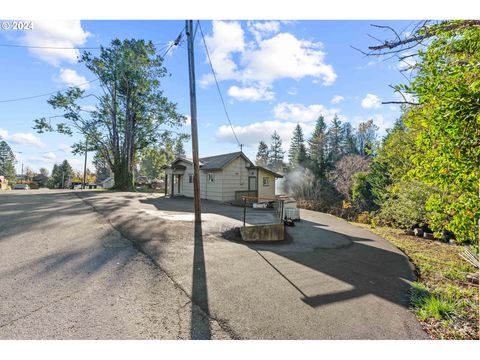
point(405, 206)
point(364, 218)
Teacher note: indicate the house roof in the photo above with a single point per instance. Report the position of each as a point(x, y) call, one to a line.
point(216, 162)
point(277, 175)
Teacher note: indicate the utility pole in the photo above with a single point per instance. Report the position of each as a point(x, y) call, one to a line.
point(193, 115)
point(21, 179)
point(63, 180)
point(85, 164)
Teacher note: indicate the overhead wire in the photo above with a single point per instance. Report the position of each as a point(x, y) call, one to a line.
point(168, 47)
point(216, 82)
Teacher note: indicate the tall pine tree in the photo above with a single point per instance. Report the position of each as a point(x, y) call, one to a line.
point(297, 152)
point(276, 153)
point(334, 140)
point(262, 154)
point(318, 147)
point(179, 149)
point(349, 138)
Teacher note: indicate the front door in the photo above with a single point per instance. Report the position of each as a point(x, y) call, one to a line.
point(179, 179)
point(252, 183)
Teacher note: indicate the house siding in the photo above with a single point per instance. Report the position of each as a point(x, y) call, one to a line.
point(235, 178)
point(266, 191)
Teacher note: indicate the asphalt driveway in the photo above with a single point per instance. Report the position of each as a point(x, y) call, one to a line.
point(65, 273)
point(333, 281)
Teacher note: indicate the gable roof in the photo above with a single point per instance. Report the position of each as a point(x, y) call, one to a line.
point(271, 172)
point(218, 162)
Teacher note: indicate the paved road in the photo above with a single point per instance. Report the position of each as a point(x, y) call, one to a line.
point(334, 281)
point(65, 273)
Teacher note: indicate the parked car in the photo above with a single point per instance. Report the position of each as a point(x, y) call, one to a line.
point(21, 187)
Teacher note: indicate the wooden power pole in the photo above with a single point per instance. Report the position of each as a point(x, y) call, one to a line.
point(193, 115)
point(85, 165)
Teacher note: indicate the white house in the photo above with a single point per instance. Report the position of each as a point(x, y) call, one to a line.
point(225, 177)
point(108, 183)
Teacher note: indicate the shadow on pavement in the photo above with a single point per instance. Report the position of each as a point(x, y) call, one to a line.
point(200, 324)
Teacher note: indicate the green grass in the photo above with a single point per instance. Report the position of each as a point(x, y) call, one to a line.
point(445, 304)
point(428, 306)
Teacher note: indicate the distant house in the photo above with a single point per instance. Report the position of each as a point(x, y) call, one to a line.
point(225, 177)
point(107, 183)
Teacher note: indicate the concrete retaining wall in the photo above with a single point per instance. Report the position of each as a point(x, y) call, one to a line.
point(270, 232)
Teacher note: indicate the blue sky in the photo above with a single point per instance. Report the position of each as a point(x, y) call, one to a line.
point(273, 75)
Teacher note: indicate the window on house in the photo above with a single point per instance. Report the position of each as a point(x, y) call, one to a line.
point(266, 181)
point(211, 177)
point(190, 178)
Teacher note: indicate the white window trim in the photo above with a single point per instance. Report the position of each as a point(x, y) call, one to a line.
point(268, 181)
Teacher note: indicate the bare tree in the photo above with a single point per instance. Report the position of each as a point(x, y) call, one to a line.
point(345, 168)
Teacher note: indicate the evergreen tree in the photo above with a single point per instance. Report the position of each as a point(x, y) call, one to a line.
point(262, 154)
point(276, 153)
point(296, 147)
point(7, 162)
point(349, 139)
point(318, 147)
point(302, 157)
point(179, 149)
point(334, 141)
point(41, 178)
point(61, 172)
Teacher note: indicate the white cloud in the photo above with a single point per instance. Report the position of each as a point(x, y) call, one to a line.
point(250, 93)
point(271, 56)
point(301, 113)
point(56, 33)
point(262, 29)
point(49, 156)
point(3, 134)
point(251, 134)
point(227, 38)
point(285, 56)
point(77, 163)
point(287, 116)
point(65, 148)
point(337, 99)
point(406, 97)
point(21, 138)
point(70, 77)
point(89, 108)
point(371, 101)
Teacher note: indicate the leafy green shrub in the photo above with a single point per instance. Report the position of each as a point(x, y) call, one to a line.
point(405, 205)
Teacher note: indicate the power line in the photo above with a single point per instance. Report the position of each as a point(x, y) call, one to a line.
point(63, 47)
point(46, 94)
point(216, 82)
point(176, 42)
point(169, 46)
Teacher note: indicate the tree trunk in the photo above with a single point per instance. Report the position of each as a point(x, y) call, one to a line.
point(123, 177)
